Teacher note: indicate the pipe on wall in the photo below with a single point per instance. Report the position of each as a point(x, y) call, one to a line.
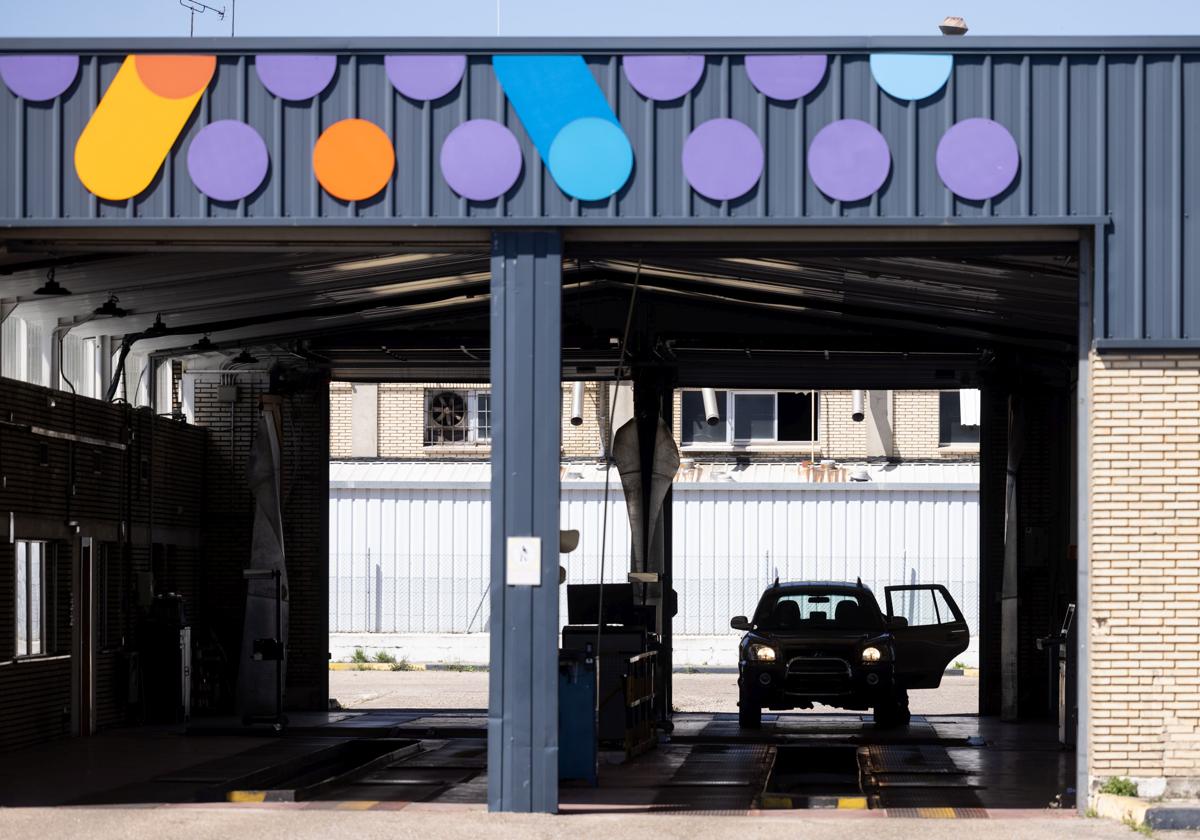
point(577, 404)
point(712, 415)
point(857, 411)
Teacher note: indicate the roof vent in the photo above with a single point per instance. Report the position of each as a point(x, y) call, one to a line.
point(953, 26)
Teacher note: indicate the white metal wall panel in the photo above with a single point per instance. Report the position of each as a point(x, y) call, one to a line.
point(412, 559)
point(730, 543)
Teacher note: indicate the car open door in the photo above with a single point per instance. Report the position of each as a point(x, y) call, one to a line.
point(931, 633)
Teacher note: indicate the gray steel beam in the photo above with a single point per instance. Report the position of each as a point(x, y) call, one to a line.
point(715, 44)
point(526, 436)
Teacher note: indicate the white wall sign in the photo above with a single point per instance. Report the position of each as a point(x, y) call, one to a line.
point(524, 561)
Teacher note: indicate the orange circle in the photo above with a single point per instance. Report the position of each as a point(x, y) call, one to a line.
point(353, 159)
point(175, 76)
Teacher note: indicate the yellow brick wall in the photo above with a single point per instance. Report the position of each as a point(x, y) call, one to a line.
point(402, 423)
point(339, 419)
point(583, 441)
point(1145, 566)
point(915, 428)
point(402, 430)
point(840, 437)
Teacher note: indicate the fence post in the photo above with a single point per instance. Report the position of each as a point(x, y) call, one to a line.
point(378, 597)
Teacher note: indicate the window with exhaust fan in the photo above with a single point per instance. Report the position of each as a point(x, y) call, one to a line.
point(457, 417)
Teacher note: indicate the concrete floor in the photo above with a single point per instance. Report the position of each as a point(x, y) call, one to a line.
point(418, 822)
point(703, 692)
point(152, 776)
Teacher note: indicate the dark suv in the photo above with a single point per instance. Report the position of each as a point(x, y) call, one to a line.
point(830, 643)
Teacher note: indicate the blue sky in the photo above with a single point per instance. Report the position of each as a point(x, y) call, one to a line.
point(51, 18)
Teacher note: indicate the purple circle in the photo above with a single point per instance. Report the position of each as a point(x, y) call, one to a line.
point(295, 77)
point(424, 77)
point(977, 159)
point(481, 160)
point(849, 160)
point(786, 77)
point(39, 77)
point(663, 77)
point(227, 160)
point(722, 159)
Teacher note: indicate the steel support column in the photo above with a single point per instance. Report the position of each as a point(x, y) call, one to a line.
point(526, 436)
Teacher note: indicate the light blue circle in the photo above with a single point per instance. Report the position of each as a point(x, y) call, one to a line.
point(590, 158)
point(911, 75)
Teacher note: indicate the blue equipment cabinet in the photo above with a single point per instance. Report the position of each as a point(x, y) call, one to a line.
point(577, 737)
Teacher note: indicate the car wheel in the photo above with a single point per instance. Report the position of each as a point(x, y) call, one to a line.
point(749, 714)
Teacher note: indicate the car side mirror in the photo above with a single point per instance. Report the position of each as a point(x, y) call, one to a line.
point(739, 622)
point(898, 621)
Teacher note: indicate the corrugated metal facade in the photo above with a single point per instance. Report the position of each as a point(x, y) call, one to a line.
point(1102, 130)
point(408, 552)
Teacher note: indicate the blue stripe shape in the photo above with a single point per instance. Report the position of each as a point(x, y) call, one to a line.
point(550, 91)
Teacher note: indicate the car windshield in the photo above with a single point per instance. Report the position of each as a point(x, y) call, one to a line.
point(814, 610)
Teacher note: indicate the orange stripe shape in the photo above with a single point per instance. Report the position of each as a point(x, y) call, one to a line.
point(175, 76)
point(353, 159)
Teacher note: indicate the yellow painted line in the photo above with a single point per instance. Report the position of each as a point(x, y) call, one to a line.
point(937, 813)
point(246, 796)
point(358, 805)
point(776, 802)
point(852, 803)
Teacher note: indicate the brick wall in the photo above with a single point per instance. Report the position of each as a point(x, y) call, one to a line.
point(340, 430)
point(1145, 567)
point(914, 431)
point(584, 441)
point(915, 428)
point(402, 426)
point(402, 423)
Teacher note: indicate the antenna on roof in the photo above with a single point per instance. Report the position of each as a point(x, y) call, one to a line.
point(776, 583)
point(194, 6)
point(859, 580)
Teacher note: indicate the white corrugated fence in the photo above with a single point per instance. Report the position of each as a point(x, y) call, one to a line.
point(409, 541)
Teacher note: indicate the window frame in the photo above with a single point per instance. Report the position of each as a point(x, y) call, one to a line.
point(470, 397)
point(946, 442)
point(21, 546)
point(731, 428)
point(730, 419)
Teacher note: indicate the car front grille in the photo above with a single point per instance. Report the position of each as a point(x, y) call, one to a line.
point(818, 676)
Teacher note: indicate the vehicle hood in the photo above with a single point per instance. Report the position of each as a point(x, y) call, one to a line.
point(831, 643)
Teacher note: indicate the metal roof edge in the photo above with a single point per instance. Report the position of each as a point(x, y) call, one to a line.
point(812, 486)
point(791, 486)
point(1146, 345)
point(430, 224)
point(384, 484)
point(609, 45)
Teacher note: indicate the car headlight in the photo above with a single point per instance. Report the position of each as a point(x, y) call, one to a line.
point(871, 654)
point(762, 653)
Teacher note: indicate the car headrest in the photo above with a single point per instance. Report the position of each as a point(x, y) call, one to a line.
point(785, 616)
point(848, 613)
